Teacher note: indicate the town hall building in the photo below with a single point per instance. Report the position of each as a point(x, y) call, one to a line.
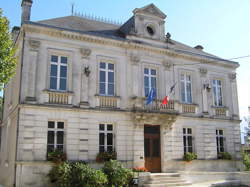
point(81, 86)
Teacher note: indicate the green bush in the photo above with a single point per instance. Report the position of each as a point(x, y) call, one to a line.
point(106, 156)
point(246, 160)
point(224, 156)
point(76, 174)
point(118, 176)
point(56, 156)
point(189, 156)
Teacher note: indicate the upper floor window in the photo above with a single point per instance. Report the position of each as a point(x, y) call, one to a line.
point(217, 92)
point(149, 80)
point(186, 89)
point(220, 141)
point(106, 137)
point(106, 79)
point(55, 138)
point(58, 72)
point(188, 140)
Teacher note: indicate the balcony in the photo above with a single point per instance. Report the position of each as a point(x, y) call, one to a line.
point(107, 101)
point(57, 97)
point(189, 108)
point(220, 111)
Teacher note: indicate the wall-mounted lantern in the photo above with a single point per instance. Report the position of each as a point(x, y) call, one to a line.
point(87, 71)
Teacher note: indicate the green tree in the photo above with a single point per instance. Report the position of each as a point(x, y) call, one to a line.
point(7, 52)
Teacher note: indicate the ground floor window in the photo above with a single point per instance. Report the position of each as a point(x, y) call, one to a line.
point(106, 137)
point(55, 138)
point(188, 140)
point(220, 141)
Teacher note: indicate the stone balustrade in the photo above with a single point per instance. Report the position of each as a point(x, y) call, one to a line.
point(107, 101)
point(189, 108)
point(220, 111)
point(56, 97)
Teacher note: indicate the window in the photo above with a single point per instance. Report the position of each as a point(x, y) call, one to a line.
point(149, 80)
point(217, 92)
point(58, 72)
point(106, 79)
point(220, 141)
point(186, 93)
point(188, 140)
point(55, 136)
point(106, 137)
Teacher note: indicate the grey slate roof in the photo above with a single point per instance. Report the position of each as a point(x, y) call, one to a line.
point(107, 30)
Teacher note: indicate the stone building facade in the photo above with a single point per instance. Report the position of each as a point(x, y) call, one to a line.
point(81, 85)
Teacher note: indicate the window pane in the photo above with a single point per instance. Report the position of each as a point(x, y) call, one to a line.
point(146, 71)
point(190, 141)
point(59, 147)
point(51, 124)
point(109, 139)
point(189, 131)
point(153, 72)
point(102, 88)
point(109, 148)
point(146, 91)
point(101, 149)
point(219, 82)
point(102, 127)
point(184, 141)
point(53, 83)
point(183, 92)
point(64, 60)
point(60, 125)
point(109, 127)
point(50, 137)
point(188, 78)
point(101, 139)
point(182, 77)
point(190, 149)
point(221, 142)
point(102, 76)
point(221, 132)
point(60, 137)
point(54, 58)
point(63, 84)
point(189, 96)
point(50, 148)
point(146, 81)
point(111, 66)
point(102, 65)
point(53, 70)
point(63, 71)
point(153, 82)
point(184, 130)
point(110, 89)
point(111, 77)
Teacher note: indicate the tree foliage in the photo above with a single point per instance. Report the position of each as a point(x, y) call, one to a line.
point(7, 52)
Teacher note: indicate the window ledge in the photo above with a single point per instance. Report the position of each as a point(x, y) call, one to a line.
point(58, 91)
point(225, 107)
point(110, 96)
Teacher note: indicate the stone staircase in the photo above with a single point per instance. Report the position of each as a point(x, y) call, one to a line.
point(164, 180)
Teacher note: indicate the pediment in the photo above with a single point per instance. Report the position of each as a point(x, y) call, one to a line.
point(150, 9)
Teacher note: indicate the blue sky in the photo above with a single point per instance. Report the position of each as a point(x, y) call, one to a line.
point(222, 27)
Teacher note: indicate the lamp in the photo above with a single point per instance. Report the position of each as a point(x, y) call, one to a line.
point(86, 71)
point(207, 87)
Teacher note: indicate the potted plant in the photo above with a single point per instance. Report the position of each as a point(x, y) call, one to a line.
point(188, 157)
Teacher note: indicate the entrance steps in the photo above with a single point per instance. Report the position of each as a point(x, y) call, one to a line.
point(164, 180)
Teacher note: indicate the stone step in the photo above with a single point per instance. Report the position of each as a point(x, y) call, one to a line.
point(164, 181)
point(168, 184)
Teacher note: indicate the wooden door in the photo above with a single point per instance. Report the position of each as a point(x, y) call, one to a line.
point(152, 148)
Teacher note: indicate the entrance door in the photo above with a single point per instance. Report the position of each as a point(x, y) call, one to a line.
point(152, 148)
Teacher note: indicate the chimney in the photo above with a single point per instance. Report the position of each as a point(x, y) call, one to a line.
point(199, 47)
point(26, 9)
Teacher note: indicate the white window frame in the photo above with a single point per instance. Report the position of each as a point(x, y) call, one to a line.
point(216, 96)
point(185, 81)
point(150, 76)
point(106, 70)
point(106, 132)
point(219, 136)
point(59, 64)
point(186, 135)
point(55, 130)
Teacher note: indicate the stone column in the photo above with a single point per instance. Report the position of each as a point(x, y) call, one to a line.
point(168, 78)
point(32, 70)
point(235, 109)
point(85, 71)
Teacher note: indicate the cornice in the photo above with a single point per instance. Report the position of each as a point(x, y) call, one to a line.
point(123, 44)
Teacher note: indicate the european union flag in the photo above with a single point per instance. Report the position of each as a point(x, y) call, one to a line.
point(151, 96)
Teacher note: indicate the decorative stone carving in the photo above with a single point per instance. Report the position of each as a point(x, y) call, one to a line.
point(85, 52)
point(203, 71)
point(34, 44)
point(232, 76)
point(135, 59)
point(167, 64)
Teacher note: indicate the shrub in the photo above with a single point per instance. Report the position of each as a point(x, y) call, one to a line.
point(224, 156)
point(76, 174)
point(246, 160)
point(118, 176)
point(140, 169)
point(106, 156)
point(189, 156)
point(56, 156)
